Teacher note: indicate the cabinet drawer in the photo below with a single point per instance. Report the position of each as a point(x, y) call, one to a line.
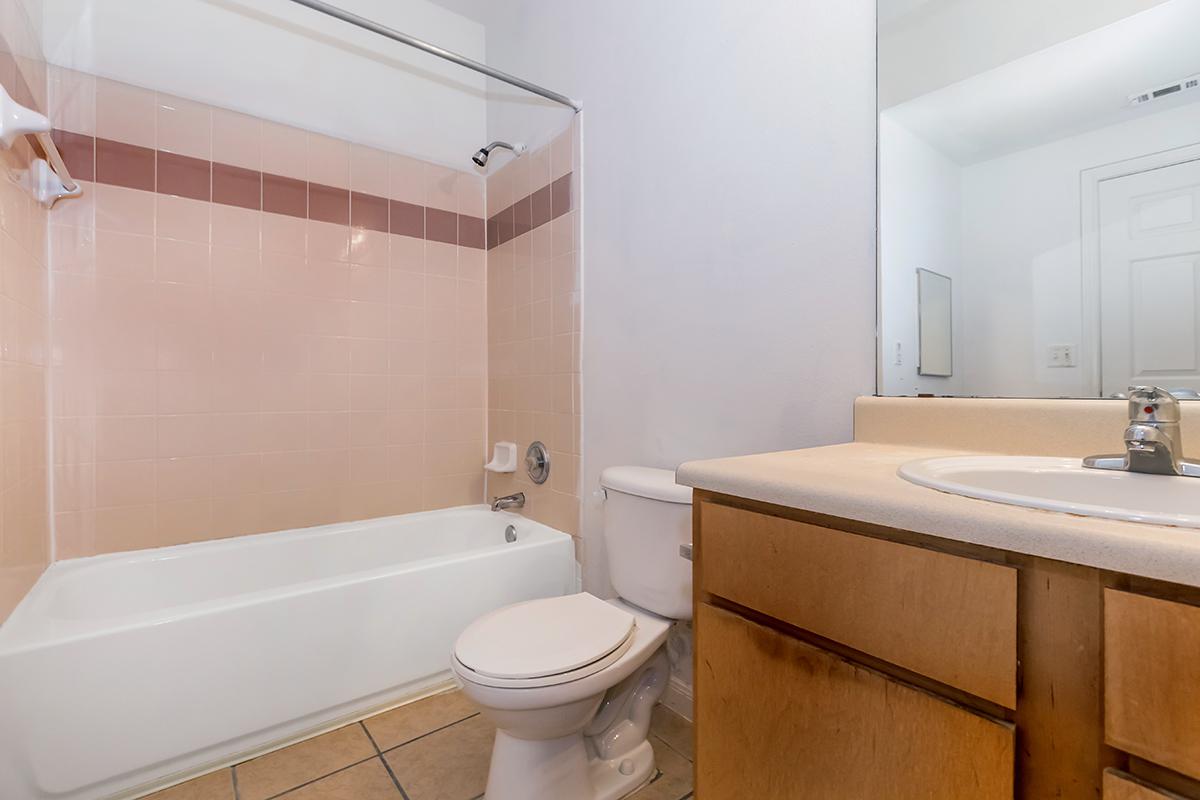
point(1118, 786)
point(948, 618)
point(780, 719)
point(1152, 679)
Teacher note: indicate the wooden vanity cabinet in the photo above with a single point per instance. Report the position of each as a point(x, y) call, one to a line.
point(783, 719)
point(840, 661)
point(1120, 786)
point(1152, 679)
point(952, 619)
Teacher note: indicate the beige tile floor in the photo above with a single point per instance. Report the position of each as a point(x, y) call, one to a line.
point(434, 749)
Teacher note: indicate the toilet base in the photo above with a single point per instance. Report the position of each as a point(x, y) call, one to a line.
point(559, 769)
point(614, 779)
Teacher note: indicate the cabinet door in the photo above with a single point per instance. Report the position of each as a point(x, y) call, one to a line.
point(949, 618)
point(1119, 786)
point(1152, 679)
point(778, 719)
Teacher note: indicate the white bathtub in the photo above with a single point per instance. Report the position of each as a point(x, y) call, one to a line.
point(123, 672)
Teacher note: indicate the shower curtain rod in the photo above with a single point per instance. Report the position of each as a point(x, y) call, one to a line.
point(448, 55)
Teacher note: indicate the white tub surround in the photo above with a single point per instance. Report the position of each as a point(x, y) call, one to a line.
point(126, 672)
point(859, 481)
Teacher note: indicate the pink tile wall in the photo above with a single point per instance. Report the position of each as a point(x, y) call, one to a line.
point(24, 511)
point(534, 325)
point(221, 371)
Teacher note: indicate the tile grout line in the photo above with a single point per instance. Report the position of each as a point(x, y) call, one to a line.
point(673, 748)
point(288, 791)
point(237, 795)
point(429, 733)
point(384, 761)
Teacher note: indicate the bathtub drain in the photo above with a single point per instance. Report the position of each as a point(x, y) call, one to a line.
point(510, 533)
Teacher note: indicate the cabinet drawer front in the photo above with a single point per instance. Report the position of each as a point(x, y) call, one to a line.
point(1152, 679)
point(948, 618)
point(1118, 786)
point(780, 719)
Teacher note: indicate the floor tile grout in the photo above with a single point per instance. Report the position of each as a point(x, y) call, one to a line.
point(381, 755)
point(673, 748)
point(429, 733)
point(323, 777)
point(391, 773)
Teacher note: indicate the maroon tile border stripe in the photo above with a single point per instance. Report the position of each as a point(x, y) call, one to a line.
point(92, 158)
point(532, 211)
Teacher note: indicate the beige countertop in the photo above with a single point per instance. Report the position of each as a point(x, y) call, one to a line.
point(858, 481)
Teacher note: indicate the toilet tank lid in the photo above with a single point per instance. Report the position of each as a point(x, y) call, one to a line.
point(648, 482)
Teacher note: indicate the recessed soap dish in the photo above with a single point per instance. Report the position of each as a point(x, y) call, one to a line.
point(504, 458)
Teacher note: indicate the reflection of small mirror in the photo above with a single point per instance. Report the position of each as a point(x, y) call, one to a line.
point(934, 325)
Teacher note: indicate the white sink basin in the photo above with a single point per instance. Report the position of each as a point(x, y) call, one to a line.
point(1063, 484)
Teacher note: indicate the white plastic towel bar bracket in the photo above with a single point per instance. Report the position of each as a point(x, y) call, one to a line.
point(16, 120)
point(46, 186)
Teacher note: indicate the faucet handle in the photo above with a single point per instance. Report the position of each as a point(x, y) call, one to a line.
point(1152, 404)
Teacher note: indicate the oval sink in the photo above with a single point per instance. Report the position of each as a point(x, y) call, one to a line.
point(1064, 485)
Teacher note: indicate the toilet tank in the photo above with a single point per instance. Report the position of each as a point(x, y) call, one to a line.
point(647, 516)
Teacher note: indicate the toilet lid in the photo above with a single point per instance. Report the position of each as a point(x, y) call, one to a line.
point(543, 637)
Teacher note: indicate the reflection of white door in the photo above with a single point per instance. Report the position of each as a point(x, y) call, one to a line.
point(1150, 278)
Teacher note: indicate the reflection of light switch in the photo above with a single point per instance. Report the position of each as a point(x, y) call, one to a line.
point(1060, 355)
point(899, 355)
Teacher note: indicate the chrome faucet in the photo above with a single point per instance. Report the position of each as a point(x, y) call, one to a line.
point(509, 501)
point(1153, 442)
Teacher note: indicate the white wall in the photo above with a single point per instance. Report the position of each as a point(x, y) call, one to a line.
point(919, 228)
point(281, 61)
point(728, 213)
point(1021, 233)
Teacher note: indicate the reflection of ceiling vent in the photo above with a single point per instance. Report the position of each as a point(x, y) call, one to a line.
point(1164, 91)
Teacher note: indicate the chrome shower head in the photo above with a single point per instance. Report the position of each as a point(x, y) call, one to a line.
point(481, 156)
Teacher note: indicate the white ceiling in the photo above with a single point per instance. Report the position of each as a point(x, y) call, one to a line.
point(1078, 85)
point(925, 45)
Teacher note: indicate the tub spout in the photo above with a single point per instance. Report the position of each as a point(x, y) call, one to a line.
point(509, 501)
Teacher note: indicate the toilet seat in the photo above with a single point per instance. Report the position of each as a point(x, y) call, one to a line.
point(544, 642)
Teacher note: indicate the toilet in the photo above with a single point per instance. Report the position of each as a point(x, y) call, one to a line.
point(570, 682)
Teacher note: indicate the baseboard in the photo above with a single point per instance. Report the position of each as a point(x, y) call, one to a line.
point(678, 698)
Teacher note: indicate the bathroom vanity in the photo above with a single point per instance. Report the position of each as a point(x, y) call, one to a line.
point(858, 636)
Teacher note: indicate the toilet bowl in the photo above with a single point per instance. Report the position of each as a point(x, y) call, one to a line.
point(574, 734)
point(570, 682)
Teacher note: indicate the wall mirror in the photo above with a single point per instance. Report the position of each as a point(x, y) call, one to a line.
point(935, 325)
point(1043, 160)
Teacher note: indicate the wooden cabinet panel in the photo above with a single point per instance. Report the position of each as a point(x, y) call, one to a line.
point(1152, 679)
point(1060, 716)
point(1118, 786)
point(949, 618)
point(779, 719)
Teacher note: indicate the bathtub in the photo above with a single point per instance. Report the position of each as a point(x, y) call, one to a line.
point(127, 672)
